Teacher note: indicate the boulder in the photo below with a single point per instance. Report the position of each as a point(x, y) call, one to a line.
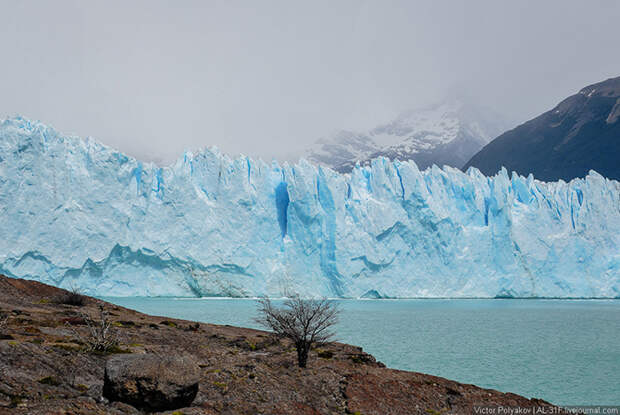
point(151, 382)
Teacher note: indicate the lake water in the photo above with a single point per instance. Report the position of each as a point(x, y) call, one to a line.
point(564, 351)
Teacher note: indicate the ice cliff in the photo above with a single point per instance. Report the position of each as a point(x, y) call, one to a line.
point(77, 213)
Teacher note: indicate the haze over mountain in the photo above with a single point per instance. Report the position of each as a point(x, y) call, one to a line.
point(444, 134)
point(580, 134)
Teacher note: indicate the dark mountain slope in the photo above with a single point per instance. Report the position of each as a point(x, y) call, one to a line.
point(581, 133)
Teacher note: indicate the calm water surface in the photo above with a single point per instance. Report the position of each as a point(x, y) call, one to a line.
point(563, 351)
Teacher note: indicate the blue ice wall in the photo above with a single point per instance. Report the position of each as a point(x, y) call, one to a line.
point(74, 212)
point(282, 201)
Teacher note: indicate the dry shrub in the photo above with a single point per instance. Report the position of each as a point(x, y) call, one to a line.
point(71, 297)
point(100, 338)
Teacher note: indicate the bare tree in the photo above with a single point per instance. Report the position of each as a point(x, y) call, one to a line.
point(100, 338)
point(305, 321)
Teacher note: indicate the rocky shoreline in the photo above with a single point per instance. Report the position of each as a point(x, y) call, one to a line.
point(45, 368)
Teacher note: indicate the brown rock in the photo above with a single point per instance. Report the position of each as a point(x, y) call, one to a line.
point(151, 382)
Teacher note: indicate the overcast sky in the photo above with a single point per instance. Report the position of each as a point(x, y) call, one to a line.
point(264, 78)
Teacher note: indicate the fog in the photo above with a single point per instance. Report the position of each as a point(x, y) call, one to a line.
point(266, 79)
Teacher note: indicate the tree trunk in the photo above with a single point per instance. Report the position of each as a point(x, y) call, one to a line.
point(302, 353)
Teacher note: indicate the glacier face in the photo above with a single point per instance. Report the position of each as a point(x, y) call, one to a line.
point(77, 213)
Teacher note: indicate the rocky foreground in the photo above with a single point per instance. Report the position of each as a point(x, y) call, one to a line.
point(46, 369)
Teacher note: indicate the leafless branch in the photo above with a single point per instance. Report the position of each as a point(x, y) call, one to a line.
point(100, 338)
point(304, 321)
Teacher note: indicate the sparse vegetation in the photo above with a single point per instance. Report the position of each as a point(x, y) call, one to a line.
point(81, 387)
point(193, 327)
point(220, 385)
point(100, 338)
point(49, 380)
point(360, 358)
point(306, 322)
point(325, 354)
point(71, 297)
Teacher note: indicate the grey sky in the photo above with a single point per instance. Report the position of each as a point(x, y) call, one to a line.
point(153, 78)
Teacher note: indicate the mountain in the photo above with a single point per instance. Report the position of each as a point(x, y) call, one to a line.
point(446, 134)
point(76, 213)
point(580, 134)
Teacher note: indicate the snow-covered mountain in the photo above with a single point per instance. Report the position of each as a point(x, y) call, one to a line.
point(77, 213)
point(445, 134)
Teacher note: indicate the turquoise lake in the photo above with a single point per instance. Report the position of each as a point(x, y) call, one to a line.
point(564, 351)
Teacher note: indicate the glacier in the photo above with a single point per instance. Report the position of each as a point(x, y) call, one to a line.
point(76, 213)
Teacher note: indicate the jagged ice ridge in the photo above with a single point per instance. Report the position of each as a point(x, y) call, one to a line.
point(77, 213)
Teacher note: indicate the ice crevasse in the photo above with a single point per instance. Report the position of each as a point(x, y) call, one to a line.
point(76, 213)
